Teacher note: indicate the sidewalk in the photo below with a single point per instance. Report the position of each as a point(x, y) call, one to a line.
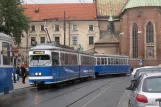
point(19, 84)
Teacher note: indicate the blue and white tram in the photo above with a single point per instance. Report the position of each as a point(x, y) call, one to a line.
point(111, 64)
point(49, 64)
point(6, 68)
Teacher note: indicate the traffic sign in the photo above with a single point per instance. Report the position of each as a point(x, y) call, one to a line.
point(140, 62)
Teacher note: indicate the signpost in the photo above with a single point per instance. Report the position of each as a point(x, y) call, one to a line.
point(140, 62)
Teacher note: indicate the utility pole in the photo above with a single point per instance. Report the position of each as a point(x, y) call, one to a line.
point(64, 28)
point(27, 46)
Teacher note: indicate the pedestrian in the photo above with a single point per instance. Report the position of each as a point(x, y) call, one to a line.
point(23, 73)
point(131, 69)
point(14, 74)
point(18, 72)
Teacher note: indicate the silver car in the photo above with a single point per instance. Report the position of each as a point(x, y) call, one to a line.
point(146, 70)
point(146, 91)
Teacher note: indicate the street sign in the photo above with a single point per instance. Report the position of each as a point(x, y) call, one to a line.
point(140, 62)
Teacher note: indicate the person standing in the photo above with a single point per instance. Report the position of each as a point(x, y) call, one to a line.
point(18, 72)
point(23, 73)
point(14, 74)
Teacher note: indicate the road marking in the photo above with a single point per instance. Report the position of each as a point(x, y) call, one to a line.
point(97, 95)
point(122, 100)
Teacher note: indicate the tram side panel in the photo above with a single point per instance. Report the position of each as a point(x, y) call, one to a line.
point(86, 66)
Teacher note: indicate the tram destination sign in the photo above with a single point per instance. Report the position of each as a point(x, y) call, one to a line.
point(38, 52)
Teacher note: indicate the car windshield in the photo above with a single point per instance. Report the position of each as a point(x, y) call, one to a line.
point(146, 70)
point(39, 60)
point(152, 85)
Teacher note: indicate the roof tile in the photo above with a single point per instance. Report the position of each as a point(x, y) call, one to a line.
point(142, 3)
point(104, 7)
point(74, 11)
point(109, 38)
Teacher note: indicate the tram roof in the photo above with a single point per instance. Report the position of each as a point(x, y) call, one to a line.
point(53, 46)
point(5, 37)
point(110, 55)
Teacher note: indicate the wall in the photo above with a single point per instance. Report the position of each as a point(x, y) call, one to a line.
point(141, 16)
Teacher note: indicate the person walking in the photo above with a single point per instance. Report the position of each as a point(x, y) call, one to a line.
point(23, 73)
point(14, 74)
point(18, 72)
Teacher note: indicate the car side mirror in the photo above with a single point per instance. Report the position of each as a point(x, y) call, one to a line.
point(132, 85)
point(129, 88)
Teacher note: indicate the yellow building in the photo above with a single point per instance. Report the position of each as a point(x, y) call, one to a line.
point(81, 26)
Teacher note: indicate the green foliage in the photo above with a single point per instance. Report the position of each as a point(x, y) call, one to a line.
point(12, 19)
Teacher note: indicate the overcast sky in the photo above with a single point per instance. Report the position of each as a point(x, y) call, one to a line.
point(57, 1)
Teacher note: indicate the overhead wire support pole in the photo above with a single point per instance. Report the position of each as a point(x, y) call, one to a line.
point(64, 28)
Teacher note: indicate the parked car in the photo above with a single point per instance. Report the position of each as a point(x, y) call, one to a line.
point(146, 70)
point(146, 91)
point(137, 69)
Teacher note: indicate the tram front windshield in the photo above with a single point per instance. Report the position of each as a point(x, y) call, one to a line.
point(39, 60)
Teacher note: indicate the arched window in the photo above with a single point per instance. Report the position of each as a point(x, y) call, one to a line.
point(149, 33)
point(135, 41)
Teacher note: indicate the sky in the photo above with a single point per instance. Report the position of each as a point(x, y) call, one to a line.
point(56, 1)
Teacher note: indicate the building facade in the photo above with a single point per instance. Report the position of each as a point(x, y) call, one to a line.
point(80, 26)
point(141, 31)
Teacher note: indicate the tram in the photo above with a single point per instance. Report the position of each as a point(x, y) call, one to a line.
point(50, 63)
point(111, 64)
point(6, 68)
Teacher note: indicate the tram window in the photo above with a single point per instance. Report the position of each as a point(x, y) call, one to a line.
point(66, 59)
point(109, 61)
point(102, 61)
point(6, 53)
point(112, 61)
point(98, 61)
point(95, 61)
point(62, 59)
point(105, 61)
point(117, 61)
point(55, 58)
point(123, 62)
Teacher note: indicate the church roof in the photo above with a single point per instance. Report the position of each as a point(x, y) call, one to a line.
point(104, 7)
point(142, 3)
point(107, 39)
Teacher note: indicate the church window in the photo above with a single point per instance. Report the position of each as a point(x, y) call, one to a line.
point(135, 41)
point(149, 33)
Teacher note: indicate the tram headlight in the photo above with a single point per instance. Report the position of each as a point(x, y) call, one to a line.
point(40, 73)
point(36, 74)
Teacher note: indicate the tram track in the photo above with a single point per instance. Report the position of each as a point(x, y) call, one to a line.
point(107, 83)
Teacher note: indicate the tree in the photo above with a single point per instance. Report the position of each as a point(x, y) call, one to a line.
point(12, 19)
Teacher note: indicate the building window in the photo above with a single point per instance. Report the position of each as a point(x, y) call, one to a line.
point(42, 28)
point(149, 33)
point(75, 40)
point(75, 28)
point(135, 41)
point(57, 39)
point(90, 27)
point(42, 39)
point(150, 52)
point(57, 28)
point(91, 40)
point(33, 28)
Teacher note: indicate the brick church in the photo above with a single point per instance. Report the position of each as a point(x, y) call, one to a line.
point(136, 29)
